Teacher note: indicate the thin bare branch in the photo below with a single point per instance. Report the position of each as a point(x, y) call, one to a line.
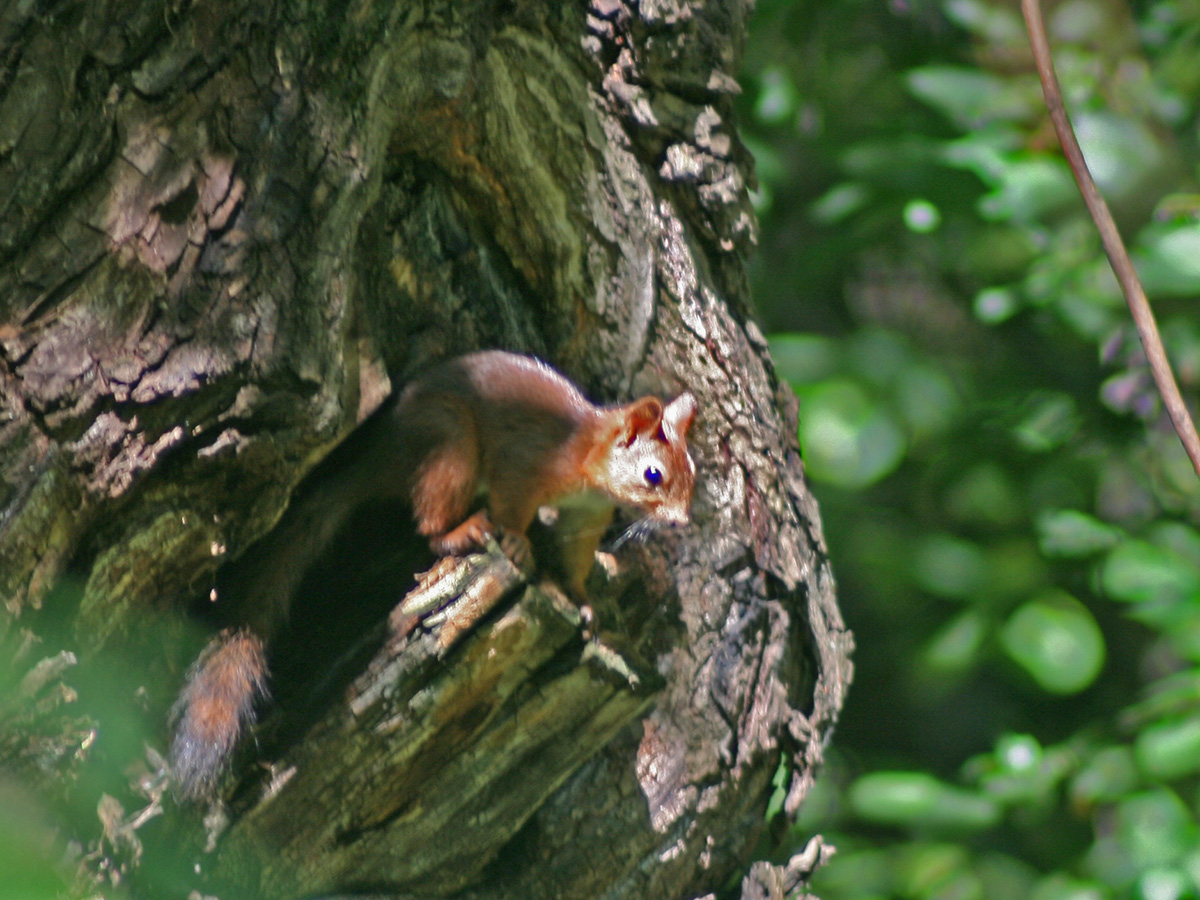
point(1118, 257)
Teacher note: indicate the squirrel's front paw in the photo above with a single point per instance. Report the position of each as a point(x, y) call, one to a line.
point(471, 535)
point(517, 548)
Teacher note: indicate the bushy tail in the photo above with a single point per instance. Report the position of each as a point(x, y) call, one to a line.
point(216, 705)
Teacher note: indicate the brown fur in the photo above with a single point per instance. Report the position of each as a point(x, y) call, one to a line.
point(497, 418)
point(225, 682)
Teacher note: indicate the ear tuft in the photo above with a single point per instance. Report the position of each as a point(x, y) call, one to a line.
point(678, 416)
point(642, 416)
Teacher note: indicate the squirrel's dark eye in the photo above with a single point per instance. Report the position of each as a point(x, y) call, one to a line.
point(653, 476)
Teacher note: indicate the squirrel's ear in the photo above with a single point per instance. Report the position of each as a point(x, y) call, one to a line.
point(677, 417)
point(641, 416)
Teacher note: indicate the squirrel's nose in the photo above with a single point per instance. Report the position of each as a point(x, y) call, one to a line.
point(675, 517)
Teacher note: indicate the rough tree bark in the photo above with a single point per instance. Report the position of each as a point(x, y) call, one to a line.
point(228, 230)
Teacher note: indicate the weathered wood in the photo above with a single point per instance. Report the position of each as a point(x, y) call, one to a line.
point(460, 745)
point(228, 229)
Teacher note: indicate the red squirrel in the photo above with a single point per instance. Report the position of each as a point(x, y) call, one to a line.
point(494, 420)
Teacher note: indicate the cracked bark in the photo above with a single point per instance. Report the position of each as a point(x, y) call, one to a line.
point(229, 230)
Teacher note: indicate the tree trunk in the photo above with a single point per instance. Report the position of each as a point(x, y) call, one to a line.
point(229, 230)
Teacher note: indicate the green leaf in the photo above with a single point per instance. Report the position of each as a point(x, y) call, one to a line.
point(1139, 572)
point(1155, 829)
point(1049, 420)
point(1120, 150)
point(1167, 750)
point(1107, 775)
point(955, 647)
point(1170, 697)
point(1061, 886)
point(1029, 189)
point(1069, 533)
point(1056, 640)
point(780, 782)
point(927, 399)
point(1165, 884)
point(847, 439)
point(994, 23)
point(985, 493)
point(918, 800)
point(777, 96)
point(949, 566)
point(985, 152)
point(1169, 260)
point(1020, 772)
point(934, 870)
point(970, 97)
point(840, 202)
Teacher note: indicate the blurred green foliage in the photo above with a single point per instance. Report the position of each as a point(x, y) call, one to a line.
point(27, 849)
point(1013, 524)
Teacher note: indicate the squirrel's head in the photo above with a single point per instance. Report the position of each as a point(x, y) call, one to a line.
point(647, 464)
